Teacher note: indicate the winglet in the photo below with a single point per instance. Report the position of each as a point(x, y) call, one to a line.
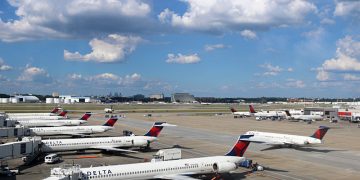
point(156, 128)
point(111, 122)
point(320, 132)
point(252, 110)
point(239, 147)
point(86, 116)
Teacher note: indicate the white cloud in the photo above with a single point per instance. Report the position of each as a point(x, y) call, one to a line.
point(211, 47)
point(75, 76)
point(271, 70)
point(322, 75)
point(106, 76)
point(233, 15)
point(183, 59)
point(351, 77)
point(3, 66)
point(295, 83)
point(77, 18)
point(327, 21)
point(106, 79)
point(34, 74)
point(113, 48)
point(347, 56)
point(248, 34)
point(315, 34)
point(347, 8)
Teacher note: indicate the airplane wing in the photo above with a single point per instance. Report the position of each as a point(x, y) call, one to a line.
point(175, 177)
point(109, 148)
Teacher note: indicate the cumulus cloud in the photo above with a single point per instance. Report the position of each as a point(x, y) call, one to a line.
point(351, 77)
point(221, 16)
point(183, 59)
point(322, 75)
point(106, 79)
point(77, 18)
point(314, 34)
point(347, 56)
point(248, 34)
point(295, 83)
point(34, 74)
point(113, 48)
point(272, 70)
point(3, 66)
point(347, 8)
point(212, 47)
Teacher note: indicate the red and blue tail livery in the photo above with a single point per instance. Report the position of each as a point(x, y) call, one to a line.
point(155, 129)
point(86, 116)
point(320, 133)
point(233, 110)
point(111, 122)
point(55, 110)
point(252, 110)
point(240, 146)
point(63, 113)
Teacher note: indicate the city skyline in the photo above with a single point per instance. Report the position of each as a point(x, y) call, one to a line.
point(289, 48)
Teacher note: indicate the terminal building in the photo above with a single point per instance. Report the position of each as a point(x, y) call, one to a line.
point(182, 98)
point(330, 113)
point(157, 96)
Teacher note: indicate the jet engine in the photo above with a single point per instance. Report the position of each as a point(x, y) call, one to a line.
point(224, 167)
point(140, 142)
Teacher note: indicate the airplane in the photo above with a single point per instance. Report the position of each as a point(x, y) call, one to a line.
point(173, 169)
point(74, 130)
point(287, 139)
point(105, 143)
point(239, 114)
point(53, 122)
point(52, 113)
point(266, 114)
point(304, 117)
point(62, 115)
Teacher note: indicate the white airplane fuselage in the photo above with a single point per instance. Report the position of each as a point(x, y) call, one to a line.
point(269, 114)
point(50, 123)
point(72, 130)
point(57, 145)
point(307, 117)
point(30, 114)
point(20, 118)
point(242, 114)
point(281, 139)
point(164, 169)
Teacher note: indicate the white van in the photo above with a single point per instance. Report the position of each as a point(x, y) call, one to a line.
point(52, 158)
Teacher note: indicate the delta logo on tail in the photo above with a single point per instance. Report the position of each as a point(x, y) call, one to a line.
point(240, 146)
point(233, 110)
point(252, 110)
point(86, 116)
point(156, 129)
point(111, 122)
point(320, 133)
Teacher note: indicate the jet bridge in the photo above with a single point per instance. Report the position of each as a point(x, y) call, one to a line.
point(14, 132)
point(28, 147)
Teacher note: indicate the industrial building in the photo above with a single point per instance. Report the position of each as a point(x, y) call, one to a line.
point(157, 96)
point(182, 98)
point(20, 99)
point(330, 113)
point(74, 99)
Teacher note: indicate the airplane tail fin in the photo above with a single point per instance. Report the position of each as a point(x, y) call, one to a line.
point(156, 129)
point(252, 110)
point(320, 132)
point(288, 113)
point(63, 113)
point(111, 122)
point(233, 110)
point(86, 116)
point(239, 147)
point(55, 110)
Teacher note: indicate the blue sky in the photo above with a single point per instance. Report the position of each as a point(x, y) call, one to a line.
point(221, 48)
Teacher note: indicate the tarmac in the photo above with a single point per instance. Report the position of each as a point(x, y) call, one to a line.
point(201, 135)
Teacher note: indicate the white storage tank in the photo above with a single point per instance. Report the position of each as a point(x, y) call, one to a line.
point(49, 100)
point(14, 100)
point(67, 101)
point(56, 100)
